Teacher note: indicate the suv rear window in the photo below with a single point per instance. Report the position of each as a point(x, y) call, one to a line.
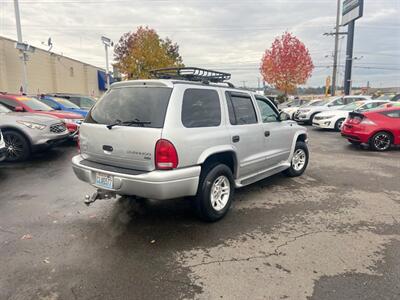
point(145, 104)
point(201, 108)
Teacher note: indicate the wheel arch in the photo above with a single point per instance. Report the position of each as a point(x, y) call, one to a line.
point(226, 155)
point(383, 130)
point(20, 131)
point(301, 136)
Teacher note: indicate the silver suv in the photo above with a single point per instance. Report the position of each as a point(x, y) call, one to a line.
point(186, 134)
point(25, 133)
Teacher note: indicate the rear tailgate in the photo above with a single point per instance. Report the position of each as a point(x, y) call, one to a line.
point(126, 145)
point(122, 146)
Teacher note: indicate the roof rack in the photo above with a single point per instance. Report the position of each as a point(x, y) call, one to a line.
point(191, 74)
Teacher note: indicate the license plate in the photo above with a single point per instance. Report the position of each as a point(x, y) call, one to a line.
point(105, 181)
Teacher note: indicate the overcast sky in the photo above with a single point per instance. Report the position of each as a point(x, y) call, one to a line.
point(228, 35)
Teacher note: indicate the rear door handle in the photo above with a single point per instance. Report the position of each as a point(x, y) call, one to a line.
point(235, 138)
point(267, 133)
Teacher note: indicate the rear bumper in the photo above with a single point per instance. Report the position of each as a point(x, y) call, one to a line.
point(356, 134)
point(154, 185)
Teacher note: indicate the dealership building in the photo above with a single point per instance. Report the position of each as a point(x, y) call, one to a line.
point(48, 72)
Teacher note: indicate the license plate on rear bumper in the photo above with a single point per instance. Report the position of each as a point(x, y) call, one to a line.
point(105, 181)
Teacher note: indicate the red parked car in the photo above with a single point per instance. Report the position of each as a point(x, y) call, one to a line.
point(20, 103)
point(379, 128)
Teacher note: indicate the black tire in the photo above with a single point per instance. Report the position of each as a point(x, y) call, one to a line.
point(293, 171)
point(312, 118)
point(381, 141)
point(203, 201)
point(20, 148)
point(338, 124)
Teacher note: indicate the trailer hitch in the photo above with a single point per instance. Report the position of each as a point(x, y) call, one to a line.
point(99, 195)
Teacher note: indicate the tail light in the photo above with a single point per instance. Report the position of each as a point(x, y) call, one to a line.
point(367, 122)
point(166, 157)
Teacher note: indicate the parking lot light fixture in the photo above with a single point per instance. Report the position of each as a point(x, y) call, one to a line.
point(107, 43)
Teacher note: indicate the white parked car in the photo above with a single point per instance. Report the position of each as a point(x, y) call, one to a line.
point(333, 119)
point(293, 109)
point(307, 114)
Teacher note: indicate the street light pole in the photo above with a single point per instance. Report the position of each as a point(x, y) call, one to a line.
point(335, 57)
point(107, 70)
point(23, 57)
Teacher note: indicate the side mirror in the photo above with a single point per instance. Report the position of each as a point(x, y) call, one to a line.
point(283, 116)
point(19, 109)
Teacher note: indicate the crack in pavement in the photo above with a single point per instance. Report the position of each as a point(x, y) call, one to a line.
point(274, 253)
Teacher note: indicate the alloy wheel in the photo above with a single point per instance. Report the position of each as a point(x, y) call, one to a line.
point(382, 141)
point(220, 192)
point(299, 159)
point(14, 146)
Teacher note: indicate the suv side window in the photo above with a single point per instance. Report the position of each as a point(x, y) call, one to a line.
point(9, 103)
point(268, 113)
point(201, 108)
point(241, 108)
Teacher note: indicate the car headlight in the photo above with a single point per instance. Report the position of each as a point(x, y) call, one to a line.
point(32, 125)
point(304, 110)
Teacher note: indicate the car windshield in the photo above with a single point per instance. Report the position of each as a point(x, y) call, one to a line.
point(352, 106)
point(4, 109)
point(319, 103)
point(144, 105)
point(34, 104)
point(66, 103)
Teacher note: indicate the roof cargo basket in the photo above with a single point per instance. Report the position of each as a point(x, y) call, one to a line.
point(191, 74)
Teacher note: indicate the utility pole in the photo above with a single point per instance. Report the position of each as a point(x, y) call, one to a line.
point(24, 56)
point(107, 43)
point(244, 83)
point(335, 55)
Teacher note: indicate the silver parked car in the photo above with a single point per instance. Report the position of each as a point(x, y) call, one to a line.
point(25, 133)
point(183, 135)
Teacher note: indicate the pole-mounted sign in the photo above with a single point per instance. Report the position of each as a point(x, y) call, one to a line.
point(352, 10)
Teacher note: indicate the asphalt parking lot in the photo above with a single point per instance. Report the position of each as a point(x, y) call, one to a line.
point(333, 233)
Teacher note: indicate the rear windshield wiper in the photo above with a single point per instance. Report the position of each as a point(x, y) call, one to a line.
point(127, 123)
